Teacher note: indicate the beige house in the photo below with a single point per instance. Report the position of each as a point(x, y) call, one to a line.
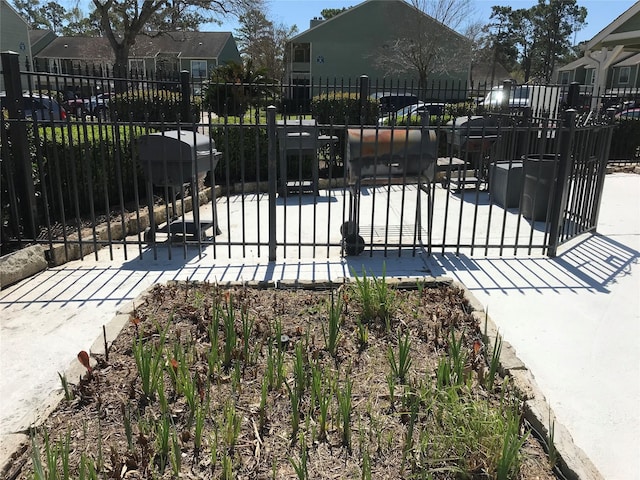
point(611, 60)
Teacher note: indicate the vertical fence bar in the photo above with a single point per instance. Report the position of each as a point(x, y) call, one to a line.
point(271, 177)
point(25, 189)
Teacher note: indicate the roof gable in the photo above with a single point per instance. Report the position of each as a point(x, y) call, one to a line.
point(624, 30)
point(184, 44)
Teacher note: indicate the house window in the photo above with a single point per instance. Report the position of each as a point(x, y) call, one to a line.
point(198, 68)
point(564, 78)
point(136, 66)
point(590, 77)
point(302, 53)
point(623, 76)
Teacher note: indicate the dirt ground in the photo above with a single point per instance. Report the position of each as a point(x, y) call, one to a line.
point(233, 418)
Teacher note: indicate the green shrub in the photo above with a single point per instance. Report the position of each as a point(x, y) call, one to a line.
point(625, 143)
point(344, 108)
point(240, 145)
point(235, 87)
point(90, 163)
point(151, 106)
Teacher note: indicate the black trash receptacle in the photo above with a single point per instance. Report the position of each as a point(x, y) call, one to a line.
point(505, 183)
point(539, 177)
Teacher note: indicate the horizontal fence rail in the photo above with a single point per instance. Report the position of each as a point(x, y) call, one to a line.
point(147, 166)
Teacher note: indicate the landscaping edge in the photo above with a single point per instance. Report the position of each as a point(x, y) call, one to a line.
point(572, 462)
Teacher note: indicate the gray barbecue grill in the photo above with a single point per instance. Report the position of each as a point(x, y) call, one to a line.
point(172, 159)
point(382, 153)
point(298, 142)
point(472, 138)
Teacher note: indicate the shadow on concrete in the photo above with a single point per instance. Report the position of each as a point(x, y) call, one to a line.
point(593, 264)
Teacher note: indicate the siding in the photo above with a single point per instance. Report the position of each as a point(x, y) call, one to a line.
point(345, 46)
point(14, 36)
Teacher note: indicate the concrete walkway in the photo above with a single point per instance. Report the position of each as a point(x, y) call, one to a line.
point(573, 320)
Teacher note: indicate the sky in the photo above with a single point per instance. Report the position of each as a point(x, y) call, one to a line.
point(600, 13)
point(300, 12)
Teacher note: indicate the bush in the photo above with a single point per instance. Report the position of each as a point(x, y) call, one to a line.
point(625, 144)
point(241, 145)
point(92, 166)
point(344, 108)
point(151, 106)
point(235, 87)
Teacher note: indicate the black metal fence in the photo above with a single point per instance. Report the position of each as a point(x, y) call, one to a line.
point(246, 170)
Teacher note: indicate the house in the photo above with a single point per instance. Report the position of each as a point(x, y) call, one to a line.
point(611, 60)
point(14, 36)
point(196, 52)
point(353, 43)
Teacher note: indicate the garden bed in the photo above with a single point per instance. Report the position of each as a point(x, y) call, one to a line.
point(360, 381)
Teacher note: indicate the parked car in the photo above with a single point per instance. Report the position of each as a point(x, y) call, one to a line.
point(95, 105)
point(38, 106)
point(391, 102)
point(98, 105)
point(630, 113)
point(415, 110)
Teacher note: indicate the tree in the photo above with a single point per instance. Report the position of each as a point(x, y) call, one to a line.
point(499, 42)
point(51, 15)
point(554, 22)
point(422, 49)
point(538, 37)
point(263, 43)
point(235, 87)
point(78, 24)
point(328, 13)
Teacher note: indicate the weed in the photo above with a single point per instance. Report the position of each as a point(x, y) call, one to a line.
point(344, 404)
point(553, 451)
point(512, 443)
point(300, 370)
point(229, 319)
point(301, 467)
point(125, 410)
point(364, 293)
point(335, 320)
point(148, 357)
point(247, 329)
point(163, 433)
point(495, 362)
point(232, 424)
point(227, 467)
point(363, 334)
point(294, 400)
point(68, 393)
point(176, 455)
point(385, 298)
point(200, 416)
point(400, 366)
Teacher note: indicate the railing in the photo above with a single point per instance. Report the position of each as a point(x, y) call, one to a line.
point(77, 184)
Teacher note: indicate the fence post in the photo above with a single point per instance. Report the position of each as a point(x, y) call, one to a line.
point(561, 189)
point(272, 179)
point(185, 89)
point(573, 96)
point(364, 95)
point(25, 189)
